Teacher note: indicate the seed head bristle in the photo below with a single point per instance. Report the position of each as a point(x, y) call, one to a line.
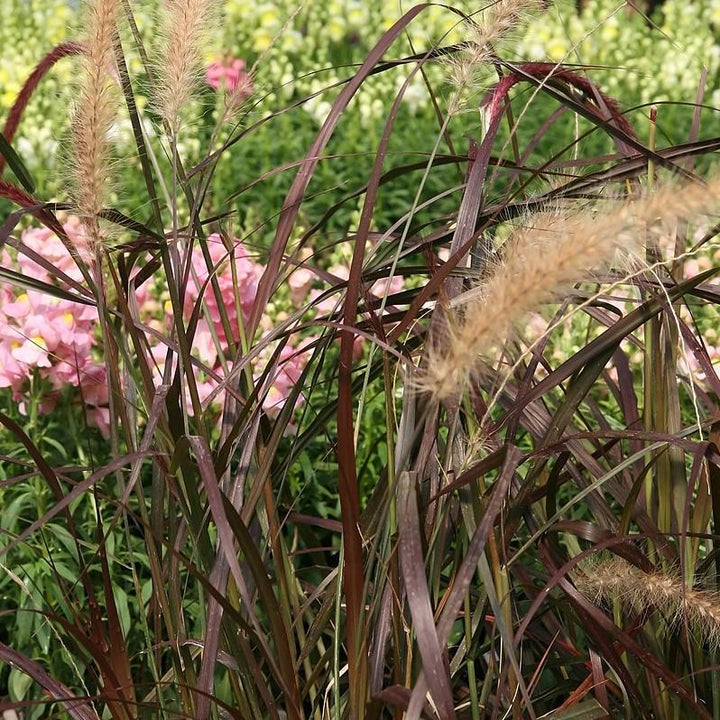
point(618, 580)
point(184, 27)
point(500, 20)
point(491, 26)
point(95, 111)
point(543, 259)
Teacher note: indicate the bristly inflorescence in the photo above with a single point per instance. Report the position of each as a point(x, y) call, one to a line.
point(95, 111)
point(616, 580)
point(542, 260)
point(489, 27)
point(184, 27)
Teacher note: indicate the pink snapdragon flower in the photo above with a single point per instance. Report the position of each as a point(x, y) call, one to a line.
point(247, 272)
point(300, 283)
point(689, 364)
point(59, 327)
point(205, 387)
point(385, 287)
point(244, 286)
point(204, 345)
point(286, 375)
point(12, 374)
point(55, 340)
point(99, 417)
point(32, 352)
point(47, 244)
point(332, 302)
point(229, 73)
point(49, 336)
point(698, 264)
point(96, 394)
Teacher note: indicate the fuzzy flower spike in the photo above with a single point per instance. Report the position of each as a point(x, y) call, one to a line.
point(497, 21)
point(618, 581)
point(95, 111)
point(542, 261)
point(180, 70)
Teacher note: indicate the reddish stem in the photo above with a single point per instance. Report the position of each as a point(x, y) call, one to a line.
point(559, 75)
point(16, 195)
point(41, 69)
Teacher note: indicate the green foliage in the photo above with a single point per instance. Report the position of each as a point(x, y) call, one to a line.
point(304, 52)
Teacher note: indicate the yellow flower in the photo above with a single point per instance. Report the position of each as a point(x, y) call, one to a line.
point(335, 30)
point(268, 17)
point(557, 50)
point(609, 32)
point(8, 98)
point(262, 40)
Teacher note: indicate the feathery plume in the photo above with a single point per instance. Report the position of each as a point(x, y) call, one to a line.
point(502, 19)
point(542, 260)
point(184, 27)
point(618, 580)
point(95, 111)
point(492, 26)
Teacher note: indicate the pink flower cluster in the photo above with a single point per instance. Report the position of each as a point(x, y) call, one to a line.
point(689, 365)
point(231, 74)
point(237, 277)
point(286, 376)
point(248, 274)
point(44, 242)
point(43, 334)
point(55, 340)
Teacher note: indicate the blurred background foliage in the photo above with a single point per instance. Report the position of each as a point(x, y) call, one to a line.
point(298, 51)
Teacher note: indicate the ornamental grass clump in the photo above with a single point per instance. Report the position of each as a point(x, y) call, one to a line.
point(346, 454)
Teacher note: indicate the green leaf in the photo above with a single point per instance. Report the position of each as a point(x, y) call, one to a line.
point(65, 538)
point(123, 608)
point(12, 510)
point(65, 572)
point(17, 165)
point(23, 626)
point(18, 684)
point(42, 633)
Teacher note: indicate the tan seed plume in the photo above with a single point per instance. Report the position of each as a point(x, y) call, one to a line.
point(95, 111)
point(543, 259)
point(500, 20)
point(490, 27)
point(618, 580)
point(184, 27)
